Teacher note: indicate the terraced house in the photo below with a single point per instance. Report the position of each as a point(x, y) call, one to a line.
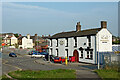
point(83, 44)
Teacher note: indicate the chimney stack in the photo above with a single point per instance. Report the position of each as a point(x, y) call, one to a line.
point(20, 35)
point(49, 35)
point(28, 36)
point(103, 24)
point(78, 27)
point(42, 35)
point(35, 34)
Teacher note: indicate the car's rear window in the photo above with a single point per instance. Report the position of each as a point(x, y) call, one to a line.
point(56, 58)
point(13, 53)
point(62, 58)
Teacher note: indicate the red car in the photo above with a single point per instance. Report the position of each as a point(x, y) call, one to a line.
point(59, 59)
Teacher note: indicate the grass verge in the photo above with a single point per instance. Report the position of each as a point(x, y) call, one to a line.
point(108, 74)
point(28, 74)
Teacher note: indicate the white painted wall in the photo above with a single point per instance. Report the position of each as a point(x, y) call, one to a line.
point(81, 41)
point(26, 43)
point(71, 43)
point(104, 40)
point(61, 47)
point(14, 40)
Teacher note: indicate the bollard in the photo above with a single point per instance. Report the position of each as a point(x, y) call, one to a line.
point(66, 60)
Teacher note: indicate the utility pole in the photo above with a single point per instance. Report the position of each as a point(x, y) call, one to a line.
point(37, 45)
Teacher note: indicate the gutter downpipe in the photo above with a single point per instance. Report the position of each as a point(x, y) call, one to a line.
point(98, 54)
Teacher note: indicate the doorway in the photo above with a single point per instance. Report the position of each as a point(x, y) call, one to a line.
point(76, 55)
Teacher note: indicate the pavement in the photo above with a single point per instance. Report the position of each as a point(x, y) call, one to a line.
point(27, 63)
point(81, 72)
point(85, 65)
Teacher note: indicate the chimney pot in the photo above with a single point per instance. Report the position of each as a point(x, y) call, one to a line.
point(103, 24)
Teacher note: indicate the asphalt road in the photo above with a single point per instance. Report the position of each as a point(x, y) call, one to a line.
point(27, 63)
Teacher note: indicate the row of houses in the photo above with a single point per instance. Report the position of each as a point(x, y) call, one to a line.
point(23, 41)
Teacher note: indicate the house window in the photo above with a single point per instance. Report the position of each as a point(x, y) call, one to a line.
point(57, 51)
point(91, 54)
point(57, 43)
point(75, 38)
point(66, 42)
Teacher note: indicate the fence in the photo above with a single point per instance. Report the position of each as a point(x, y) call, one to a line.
point(115, 48)
point(109, 60)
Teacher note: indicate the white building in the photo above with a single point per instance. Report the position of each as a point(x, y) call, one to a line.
point(25, 42)
point(83, 44)
point(13, 40)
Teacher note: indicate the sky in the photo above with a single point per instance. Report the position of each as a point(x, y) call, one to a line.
point(46, 18)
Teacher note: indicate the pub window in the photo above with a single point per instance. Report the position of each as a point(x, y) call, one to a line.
point(81, 54)
point(66, 42)
point(91, 54)
point(75, 38)
point(57, 43)
point(57, 51)
point(89, 41)
point(48, 42)
point(51, 42)
point(67, 52)
point(51, 52)
point(87, 54)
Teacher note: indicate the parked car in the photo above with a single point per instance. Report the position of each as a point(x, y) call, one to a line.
point(12, 55)
point(52, 58)
point(37, 55)
point(59, 59)
point(44, 53)
point(33, 52)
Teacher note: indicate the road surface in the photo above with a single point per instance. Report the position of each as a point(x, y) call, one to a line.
point(27, 63)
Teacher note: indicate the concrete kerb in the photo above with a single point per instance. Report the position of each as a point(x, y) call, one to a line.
point(39, 61)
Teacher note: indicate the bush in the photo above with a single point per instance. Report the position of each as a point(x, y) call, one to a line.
point(16, 45)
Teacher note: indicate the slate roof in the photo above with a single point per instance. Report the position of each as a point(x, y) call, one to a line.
point(21, 37)
point(42, 44)
point(76, 34)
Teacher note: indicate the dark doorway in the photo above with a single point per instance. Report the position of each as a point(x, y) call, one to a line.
point(76, 54)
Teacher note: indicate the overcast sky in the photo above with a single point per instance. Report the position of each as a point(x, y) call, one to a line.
point(53, 17)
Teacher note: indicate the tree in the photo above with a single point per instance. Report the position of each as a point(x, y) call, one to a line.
point(16, 45)
point(16, 35)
